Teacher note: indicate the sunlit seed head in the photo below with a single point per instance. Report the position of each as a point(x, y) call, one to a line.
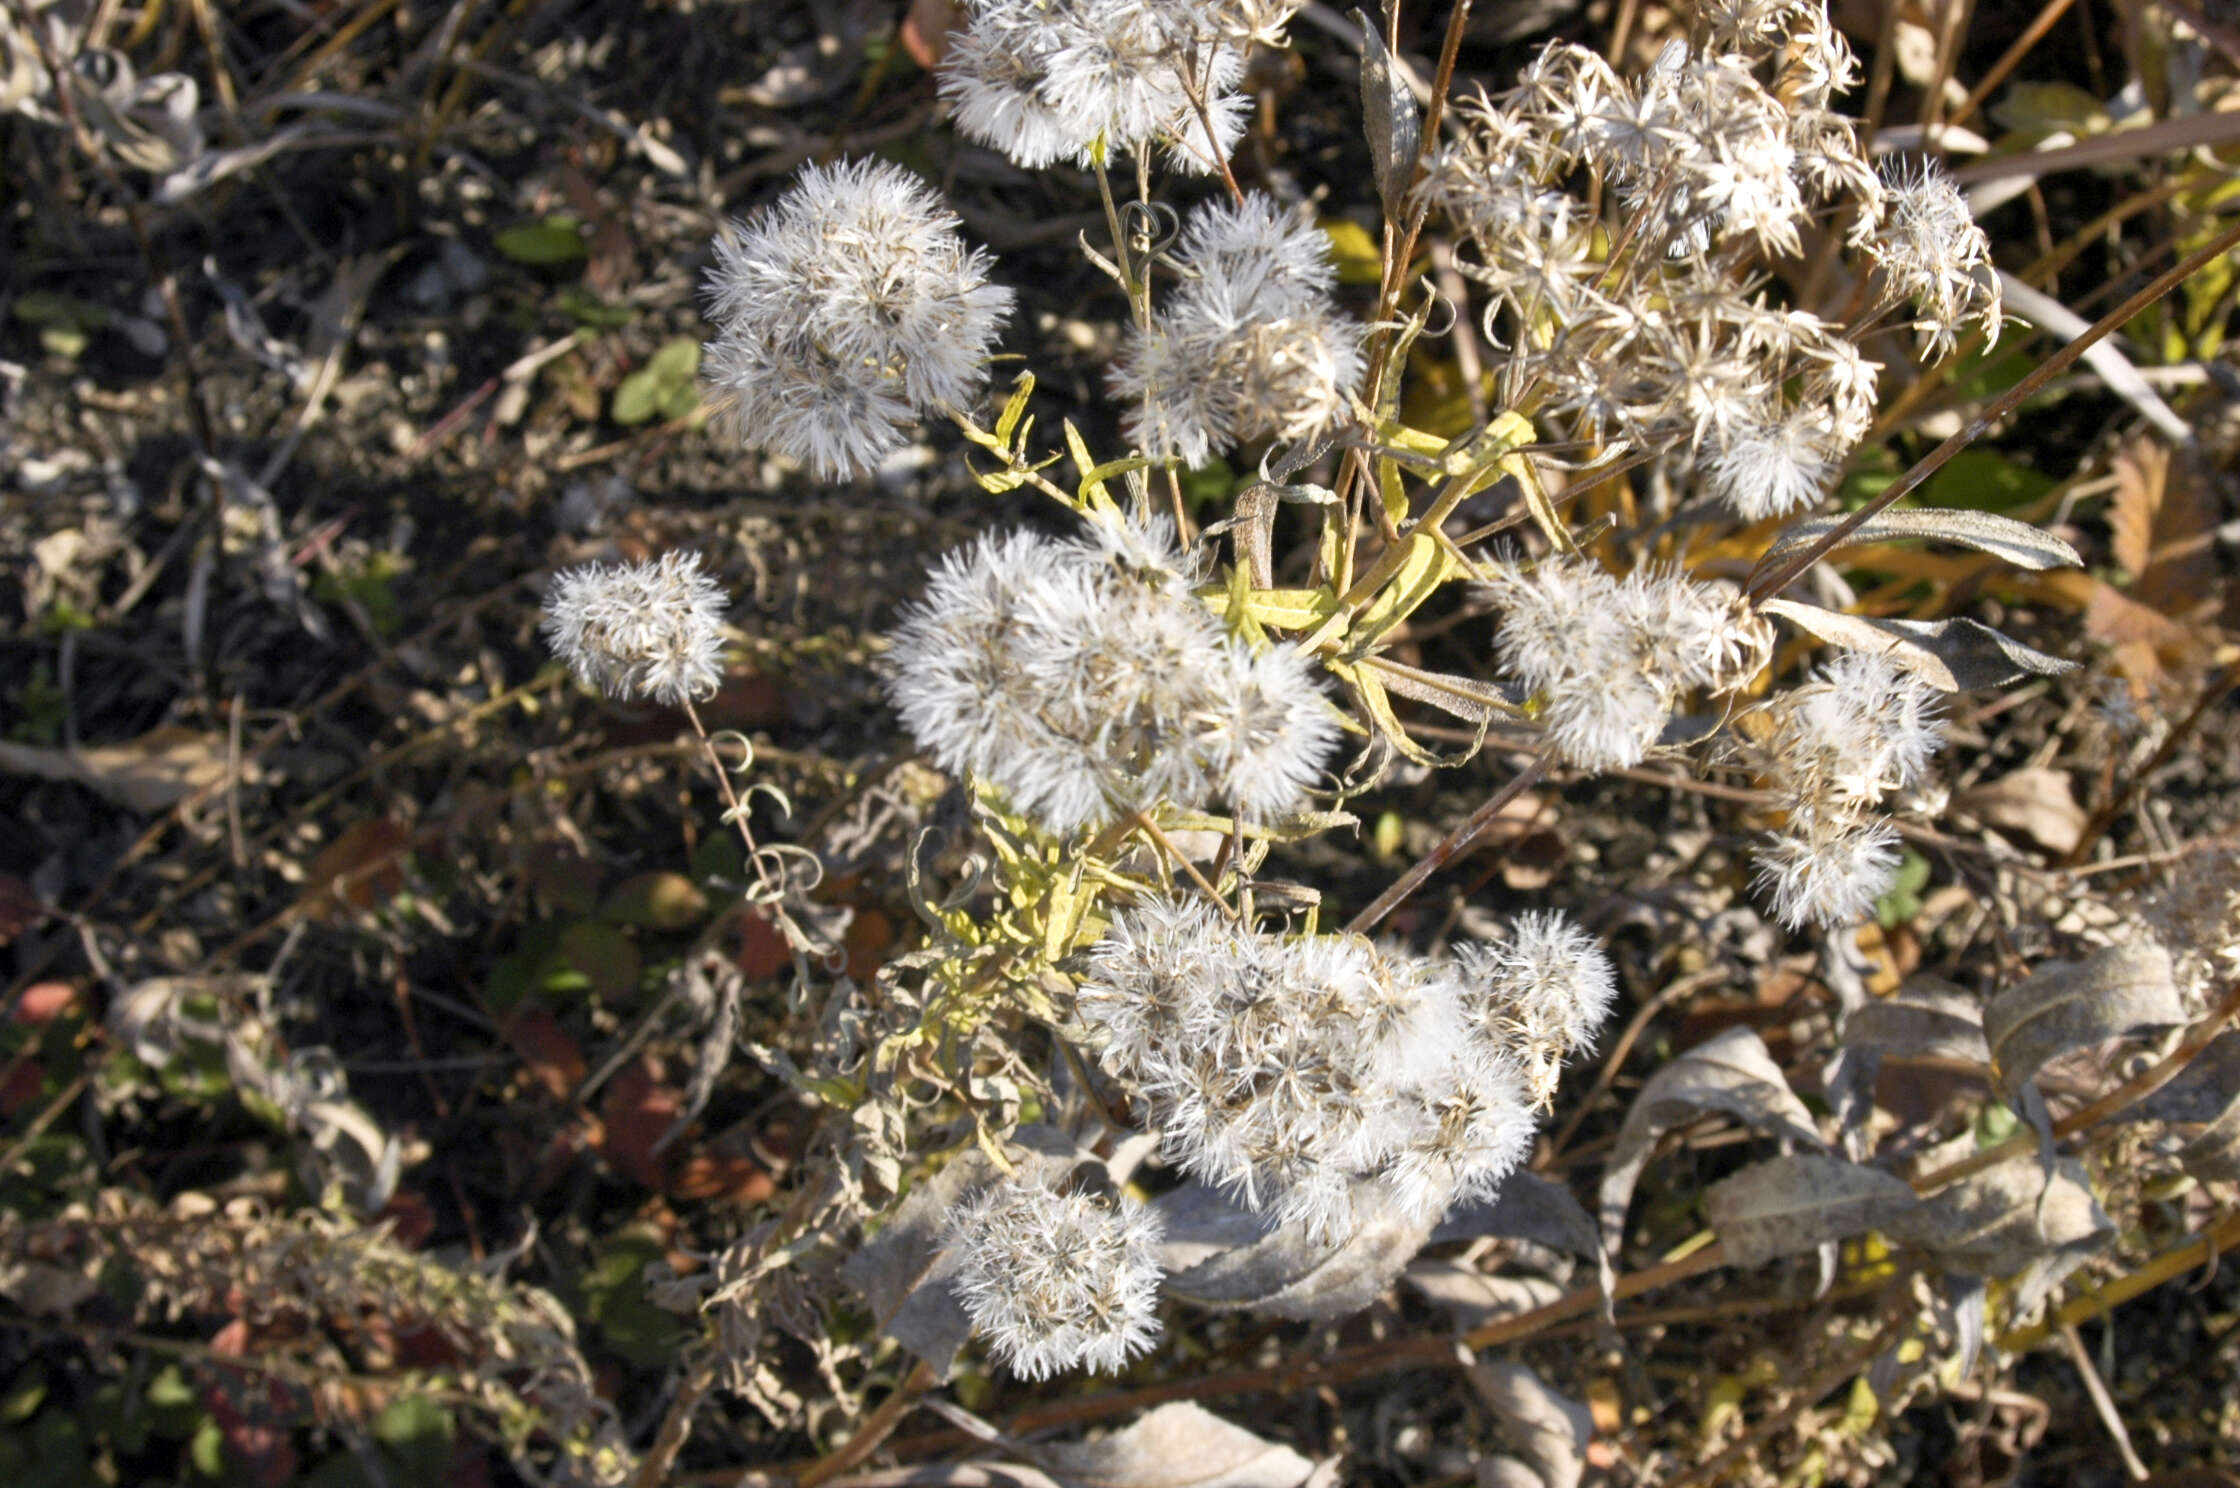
point(1827, 876)
point(651, 630)
point(1056, 1281)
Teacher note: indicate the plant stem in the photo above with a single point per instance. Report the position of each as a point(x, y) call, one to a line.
point(1448, 848)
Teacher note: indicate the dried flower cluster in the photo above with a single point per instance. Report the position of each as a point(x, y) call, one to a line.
point(1831, 749)
point(1611, 657)
point(1083, 681)
point(1049, 80)
point(848, 310)
point(1720, 158)
point(1057, 1280)
point(1293, 1071)
point(651, 629)
point(1250, 346)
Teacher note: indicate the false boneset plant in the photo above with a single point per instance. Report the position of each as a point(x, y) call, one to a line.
point(1136, 723)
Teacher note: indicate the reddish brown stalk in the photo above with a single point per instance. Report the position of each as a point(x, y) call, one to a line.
point(1447, 849)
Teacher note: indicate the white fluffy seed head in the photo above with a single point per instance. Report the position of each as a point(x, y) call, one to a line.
point(1045, 80)
point(1306, 1076)
point(1540, 995)
point(1610, 658)
point(1932, 254)
point(1772, 466)
point(1827, 873)
point(651, 630)
point(1249, 346)
point(1056, 1281)
point(1862, 728)
point(845, 311)
point(1083, 681)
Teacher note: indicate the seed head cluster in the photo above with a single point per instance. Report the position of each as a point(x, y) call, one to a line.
point(1718, 158)
point(1057, 1280)
point(1251, 345)
point(1299, 1073)
point(1609, 658)
point(845, 312)
point(1049, 80)
point(1831, 749)
point(1083, 680)
point(639, 630)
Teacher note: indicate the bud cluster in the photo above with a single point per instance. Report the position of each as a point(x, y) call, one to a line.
point(1292, 1071)
point(1083, 680)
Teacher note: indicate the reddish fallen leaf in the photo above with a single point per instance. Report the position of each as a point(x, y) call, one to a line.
point(2162, 524)
point(547, 1050)
point(44, 1001)
point(255, 1414)
point(926, 28)
point(20, 908)
point(21, 1082)
point(870, 935)
point(724, 1177)
point(636, 1112)
point(411, 1217)
point(758, 947)
point(360, 870)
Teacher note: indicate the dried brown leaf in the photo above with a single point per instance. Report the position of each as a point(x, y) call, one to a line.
point(1284, 1272)
point(2018, 543)
point(148, 774)
point(1545, 1427)
point(1789, 1205)
point(1390, 118)
point(1471, 1298)
point(1998, 1221)
point(2162, 525)
point(1182, 1445)
point(2033, 802)
point(2118, 992)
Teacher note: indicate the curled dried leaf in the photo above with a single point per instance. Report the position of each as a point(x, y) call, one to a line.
point(1390, 117)
point(2018, 543)
point(1731, 1072)
point(1956, 655)
point(1284, 1273)
point(1545, 1427)
point(1471, 1298)
point(1180, 1446)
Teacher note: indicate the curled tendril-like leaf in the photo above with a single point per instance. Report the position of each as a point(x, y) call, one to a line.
point(1150, 228)
point(746, 749)
point(777, 853)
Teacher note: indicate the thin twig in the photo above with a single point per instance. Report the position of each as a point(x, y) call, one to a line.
point(876, 1428)
point(1448, 848)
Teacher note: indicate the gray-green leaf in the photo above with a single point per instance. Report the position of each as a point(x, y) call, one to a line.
point(1789, 1205)
point(1956, 655)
